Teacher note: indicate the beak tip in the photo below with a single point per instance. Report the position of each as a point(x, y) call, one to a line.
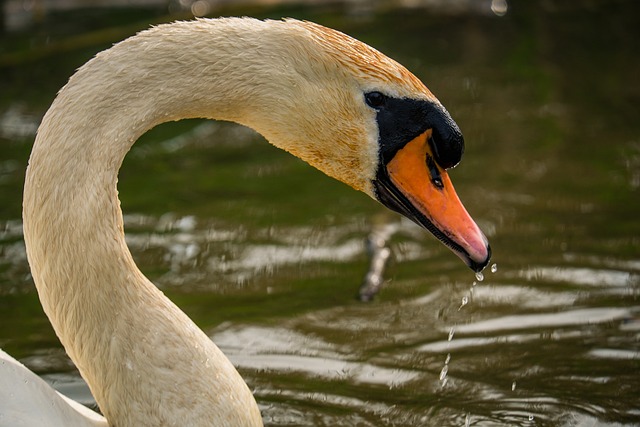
point(478, 266)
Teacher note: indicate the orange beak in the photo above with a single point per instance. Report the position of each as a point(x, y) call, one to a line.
point(413, 184)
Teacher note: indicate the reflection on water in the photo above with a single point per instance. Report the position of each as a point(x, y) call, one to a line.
point(261, 348)
point(187, 250)
point(15, 124)
point(582, 276)
point(267, 255)
point(575, 317)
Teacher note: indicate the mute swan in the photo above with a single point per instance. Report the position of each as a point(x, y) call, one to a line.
point(331, 100)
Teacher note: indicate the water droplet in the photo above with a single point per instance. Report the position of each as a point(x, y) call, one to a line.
point(494, 268)
point(499, 7)
point(448, 359)
point(451, 332)
point(465, 301)
point(531, 417)
point(443, 372)
point(467, 420)
point(474, 283)
point(479, 276)
point(513, 386)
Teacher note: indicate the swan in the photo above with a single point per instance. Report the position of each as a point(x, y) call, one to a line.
point(321, 95)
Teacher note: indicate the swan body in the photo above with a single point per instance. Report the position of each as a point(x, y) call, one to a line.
point(19, 385)
point(329, 99)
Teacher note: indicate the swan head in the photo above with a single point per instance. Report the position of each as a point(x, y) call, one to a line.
point(364, 119)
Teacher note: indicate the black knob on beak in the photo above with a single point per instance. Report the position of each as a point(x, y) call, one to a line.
point(446, 141)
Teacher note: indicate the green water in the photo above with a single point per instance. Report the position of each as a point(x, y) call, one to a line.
point(267, 254)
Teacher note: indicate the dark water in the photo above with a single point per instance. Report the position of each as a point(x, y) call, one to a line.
point(267, 254)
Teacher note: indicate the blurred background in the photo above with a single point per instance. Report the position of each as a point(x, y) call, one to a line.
point(266, 254)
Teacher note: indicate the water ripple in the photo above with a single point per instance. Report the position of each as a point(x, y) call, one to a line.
point(586, 316)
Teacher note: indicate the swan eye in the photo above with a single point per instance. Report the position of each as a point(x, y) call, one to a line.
point(375, 99)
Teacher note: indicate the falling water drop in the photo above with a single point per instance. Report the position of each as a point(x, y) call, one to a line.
point(494, 268)
point(531, 417)
point(465, 301)
point(451, 332)
point(448, 359)
point(513, 386)
point(479, 276)
point(467, 421)
point(499, 7)
point(443, 372)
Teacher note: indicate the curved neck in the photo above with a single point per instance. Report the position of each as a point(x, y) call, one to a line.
point(144, 360)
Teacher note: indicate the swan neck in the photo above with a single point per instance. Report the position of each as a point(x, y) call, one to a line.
point(145, 361)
